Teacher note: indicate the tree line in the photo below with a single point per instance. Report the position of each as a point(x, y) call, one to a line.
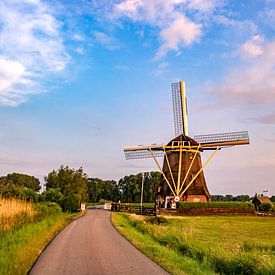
point(69, 187)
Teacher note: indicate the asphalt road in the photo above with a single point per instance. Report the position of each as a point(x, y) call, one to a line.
point(91, 245)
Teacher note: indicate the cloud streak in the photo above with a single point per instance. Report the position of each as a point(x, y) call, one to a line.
point(252, 85)
point(31, 48)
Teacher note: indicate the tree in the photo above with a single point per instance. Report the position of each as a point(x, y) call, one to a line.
point(151, 184)
point(130, 187)
point(23, 180)
point(69, 181)
point(9, 189)
point(230, 198)
point(99, 189)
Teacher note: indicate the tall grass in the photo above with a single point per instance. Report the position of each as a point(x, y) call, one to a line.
point(226, 245)
point(14, 213)
point(25, 229)
point(20, 248)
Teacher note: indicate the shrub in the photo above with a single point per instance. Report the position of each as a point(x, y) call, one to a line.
point(48, 208)
point(265, 206)
point(53, 195)
point(71, 203)
point(30, 195)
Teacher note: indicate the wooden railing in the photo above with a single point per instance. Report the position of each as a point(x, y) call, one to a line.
point(139, 210)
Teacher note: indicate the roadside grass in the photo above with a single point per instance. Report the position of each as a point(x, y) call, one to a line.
point(165, 256)
point(22, 243)
point(210, 245)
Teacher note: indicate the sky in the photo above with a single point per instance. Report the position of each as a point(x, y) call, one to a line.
point(79, 80)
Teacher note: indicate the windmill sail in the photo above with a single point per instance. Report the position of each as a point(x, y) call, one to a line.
point(143, 151)
point(222, 139)
point(179, 108)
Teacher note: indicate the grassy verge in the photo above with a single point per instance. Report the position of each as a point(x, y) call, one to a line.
point(165, 256)
point(20, 247)
point(204, 245)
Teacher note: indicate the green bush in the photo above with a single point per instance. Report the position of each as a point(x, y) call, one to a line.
point(53, 195)
point(12, 191)
point(71, 203)
point(232, 205)
point(48, 208)
point(265, 206)
point(30, 195)
point(19, 192)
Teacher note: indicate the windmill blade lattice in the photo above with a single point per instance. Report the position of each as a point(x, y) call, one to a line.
point(177, 108)
point(141, 152)
point(223, 139)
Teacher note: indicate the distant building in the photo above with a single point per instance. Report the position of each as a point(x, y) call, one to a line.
point(259, 200)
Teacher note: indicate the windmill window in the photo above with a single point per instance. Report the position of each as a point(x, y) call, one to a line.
point(181, 143)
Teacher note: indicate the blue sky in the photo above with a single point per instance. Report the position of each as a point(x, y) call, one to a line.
point(81, 79)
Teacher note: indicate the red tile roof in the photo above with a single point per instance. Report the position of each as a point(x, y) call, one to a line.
point(264, 199)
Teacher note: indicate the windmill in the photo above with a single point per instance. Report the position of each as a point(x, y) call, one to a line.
point(182, 170)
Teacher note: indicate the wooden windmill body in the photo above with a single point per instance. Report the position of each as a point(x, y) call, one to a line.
point(182, 170)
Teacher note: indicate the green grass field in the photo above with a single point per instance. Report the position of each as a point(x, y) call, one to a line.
point(204, 245)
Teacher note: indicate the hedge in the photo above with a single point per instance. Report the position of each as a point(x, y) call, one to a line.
point(231, 205)
point(266, 207)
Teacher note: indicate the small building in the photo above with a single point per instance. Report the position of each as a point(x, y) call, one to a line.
point(257, 200)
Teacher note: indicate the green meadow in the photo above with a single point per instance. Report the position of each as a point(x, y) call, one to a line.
point(203, 245)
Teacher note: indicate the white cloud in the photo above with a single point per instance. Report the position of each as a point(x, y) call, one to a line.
point(30, 45)
point(202, 5)
point(253, 47)
point(182, 31)
point(13, 76)
point(176, 29)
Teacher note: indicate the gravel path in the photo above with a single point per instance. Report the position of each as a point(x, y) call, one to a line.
point(91, 245)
